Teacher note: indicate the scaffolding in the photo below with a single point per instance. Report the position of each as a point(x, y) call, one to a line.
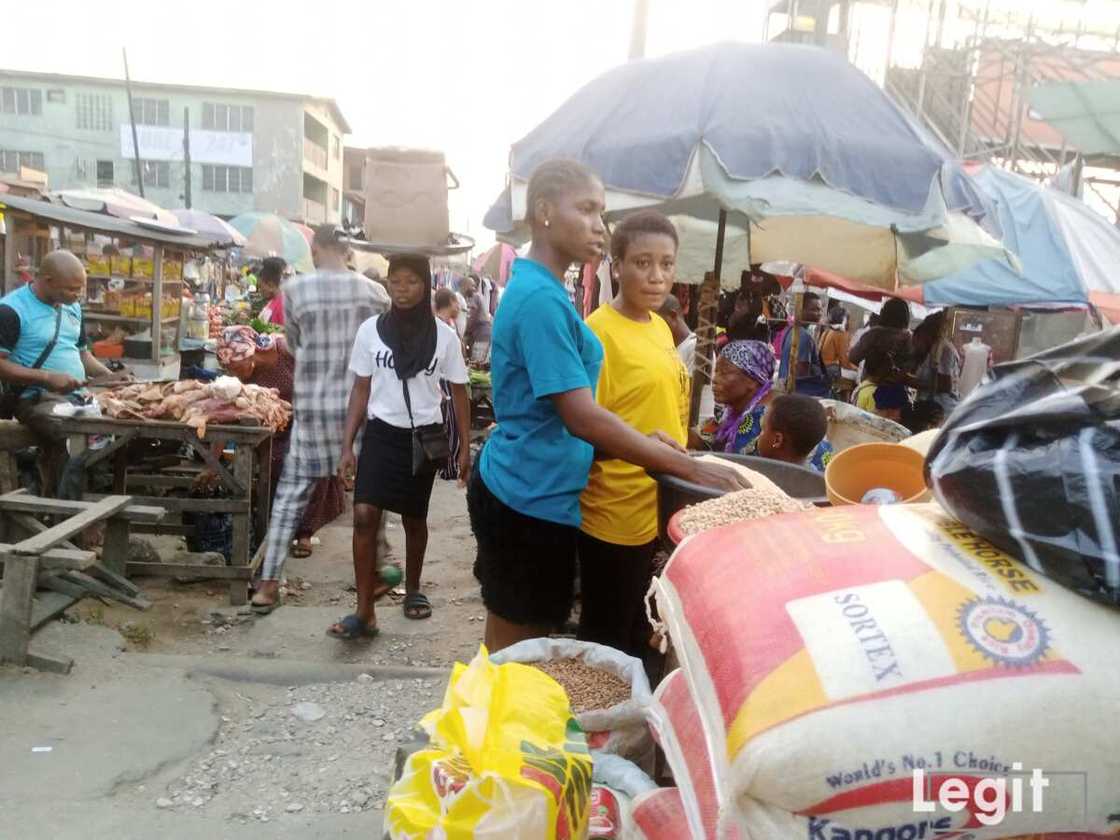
point(965, 69)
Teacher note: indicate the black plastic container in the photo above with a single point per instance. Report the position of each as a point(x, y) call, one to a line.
point(674, 493)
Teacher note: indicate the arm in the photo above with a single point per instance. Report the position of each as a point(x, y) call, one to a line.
point(845, 356)
point(355, 417)
point(586, 419)
point(462, 408)
point(93, 368)
point(291, 326)
point(858, 353)
point(59, 383)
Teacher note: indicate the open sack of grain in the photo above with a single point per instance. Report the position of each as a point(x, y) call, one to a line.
point(608, 690)
point(828, 655)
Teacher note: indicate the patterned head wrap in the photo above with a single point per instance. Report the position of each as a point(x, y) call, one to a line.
point(240, 343)
point(756, 360)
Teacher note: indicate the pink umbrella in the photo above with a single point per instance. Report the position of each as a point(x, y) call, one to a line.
point(307, 232)
point(209, 226)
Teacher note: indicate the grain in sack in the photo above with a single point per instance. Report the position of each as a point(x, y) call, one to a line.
point(832, 653)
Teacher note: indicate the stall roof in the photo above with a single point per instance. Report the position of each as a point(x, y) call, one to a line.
point(102, 223)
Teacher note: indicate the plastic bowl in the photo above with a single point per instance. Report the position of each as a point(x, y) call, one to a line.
point(674, 494)
point(851, 473)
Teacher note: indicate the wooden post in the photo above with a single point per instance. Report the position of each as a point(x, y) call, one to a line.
point(239, 555)
point(263, 489)
point(706, 328)
point(157, 301)
point(20, 575)
point(794, 343)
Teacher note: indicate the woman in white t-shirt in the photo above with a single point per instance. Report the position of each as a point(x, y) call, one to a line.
point(407, 347)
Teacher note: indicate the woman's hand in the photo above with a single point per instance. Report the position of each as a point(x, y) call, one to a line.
point(717, 476)
point(666, 439)
point(347, 465)
point(464, 466)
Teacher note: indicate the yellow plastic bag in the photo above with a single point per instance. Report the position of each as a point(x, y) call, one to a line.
point(507, 760)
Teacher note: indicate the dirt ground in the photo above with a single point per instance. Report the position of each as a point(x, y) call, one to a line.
point(234, 720)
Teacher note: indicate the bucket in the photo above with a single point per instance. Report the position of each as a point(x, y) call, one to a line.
point(406, 197)
point(851, 473)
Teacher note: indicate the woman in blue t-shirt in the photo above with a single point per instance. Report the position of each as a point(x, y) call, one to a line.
point(544, 366)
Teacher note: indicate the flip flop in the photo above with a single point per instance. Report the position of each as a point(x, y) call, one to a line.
point(417, 606)
point(263, 609)
point(353, 628)
point(300, 551)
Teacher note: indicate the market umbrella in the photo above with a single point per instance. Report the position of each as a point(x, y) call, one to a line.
point(209, 226)
point(307, 232)
point(115, 202)
point(1068, 252)
point(791, 145)
point(268, 235)
point(496, 262)
point(1085, 112)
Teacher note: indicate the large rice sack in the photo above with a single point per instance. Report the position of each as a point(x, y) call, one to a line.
point(619, 729)
point(831, 654)
point(615, 784)
point(659, 815)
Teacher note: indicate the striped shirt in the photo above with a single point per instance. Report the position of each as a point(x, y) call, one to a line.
point(323, 311)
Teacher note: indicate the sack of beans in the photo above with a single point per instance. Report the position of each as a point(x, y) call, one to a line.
point(608, 690)
point(837, 658)
point(616, 782)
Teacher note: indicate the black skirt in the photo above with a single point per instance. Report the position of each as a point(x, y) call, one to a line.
point(385, 478)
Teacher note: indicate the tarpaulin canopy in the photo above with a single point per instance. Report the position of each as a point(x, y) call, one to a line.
point(1067, 250)
point(792, 138)
point(1087, 113)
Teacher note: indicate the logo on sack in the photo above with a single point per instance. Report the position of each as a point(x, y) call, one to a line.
point(1003, 631)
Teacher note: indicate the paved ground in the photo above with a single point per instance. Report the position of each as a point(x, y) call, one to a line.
point(192, 720)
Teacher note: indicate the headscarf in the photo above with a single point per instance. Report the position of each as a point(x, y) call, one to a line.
point(756, 360)
point(240, 343)
point(410, 333)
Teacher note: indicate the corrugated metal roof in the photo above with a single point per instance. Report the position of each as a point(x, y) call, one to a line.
point(101, 223)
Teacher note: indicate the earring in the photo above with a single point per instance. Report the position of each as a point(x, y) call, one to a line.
point(547, 223)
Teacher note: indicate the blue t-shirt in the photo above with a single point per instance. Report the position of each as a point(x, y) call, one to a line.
point(539, 347)
point(816, 383)
point(26, 326)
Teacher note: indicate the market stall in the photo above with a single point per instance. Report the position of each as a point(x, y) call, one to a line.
point(135, 271)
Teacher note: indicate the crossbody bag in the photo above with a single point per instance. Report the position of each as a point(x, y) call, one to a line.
point(10, 392)
point(430, 448)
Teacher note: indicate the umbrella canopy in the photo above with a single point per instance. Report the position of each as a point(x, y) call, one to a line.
point(307, 232)
point(268, 235)
point(1087, 113)
point(1067, 250)
point(496, 262)
point(209, 226)
point(792, 138)
point(115, 202)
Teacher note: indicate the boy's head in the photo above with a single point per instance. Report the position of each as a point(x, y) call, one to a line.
point(791, 428)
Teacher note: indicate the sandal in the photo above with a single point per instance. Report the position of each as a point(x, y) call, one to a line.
point(417, 606)
point(264, 608)
point(301, 549)
point(351, 628)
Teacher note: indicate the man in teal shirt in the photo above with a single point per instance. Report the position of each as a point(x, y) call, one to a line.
point(43, 352)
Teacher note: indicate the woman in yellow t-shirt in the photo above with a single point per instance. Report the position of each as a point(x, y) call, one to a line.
point(645, 383)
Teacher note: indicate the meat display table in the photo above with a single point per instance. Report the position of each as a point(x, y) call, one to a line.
point(246, 486)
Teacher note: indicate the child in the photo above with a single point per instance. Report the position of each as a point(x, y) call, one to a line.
point(793, 430)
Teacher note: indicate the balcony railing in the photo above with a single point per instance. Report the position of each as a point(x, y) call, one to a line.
point(314, 153)
point(314, 212)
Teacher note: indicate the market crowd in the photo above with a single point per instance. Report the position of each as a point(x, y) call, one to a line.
point(559, 493)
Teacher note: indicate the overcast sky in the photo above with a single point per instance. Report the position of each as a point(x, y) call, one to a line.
point(469, 78)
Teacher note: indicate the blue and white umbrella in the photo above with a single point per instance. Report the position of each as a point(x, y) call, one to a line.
point(793, 140)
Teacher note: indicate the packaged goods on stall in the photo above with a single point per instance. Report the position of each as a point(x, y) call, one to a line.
point(1031, 461)
point(198, 404)
point(616, 782)
point(619, 728)
point(506, 761)
point(832, 654)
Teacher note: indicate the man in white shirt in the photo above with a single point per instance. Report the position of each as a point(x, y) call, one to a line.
point(683, 337)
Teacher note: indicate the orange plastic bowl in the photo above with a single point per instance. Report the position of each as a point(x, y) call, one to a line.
point(854, 471)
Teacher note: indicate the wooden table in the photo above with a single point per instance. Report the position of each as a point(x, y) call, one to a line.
point(247, 487)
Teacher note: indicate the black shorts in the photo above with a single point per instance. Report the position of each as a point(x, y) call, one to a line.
point(385, 478)
point(527, 566)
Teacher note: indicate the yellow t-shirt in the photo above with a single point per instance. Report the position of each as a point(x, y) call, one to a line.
point(645, 383)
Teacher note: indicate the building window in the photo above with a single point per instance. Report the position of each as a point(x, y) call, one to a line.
point(21, 101)
point(56, 95)
point(95, 111)
point(356, 177)
point(11, 161)
point(227, 178)
point(151, 111)
point(217, 117)
point(157, 173)
point(336, 200)
point(104, 173)
point(337, 147)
